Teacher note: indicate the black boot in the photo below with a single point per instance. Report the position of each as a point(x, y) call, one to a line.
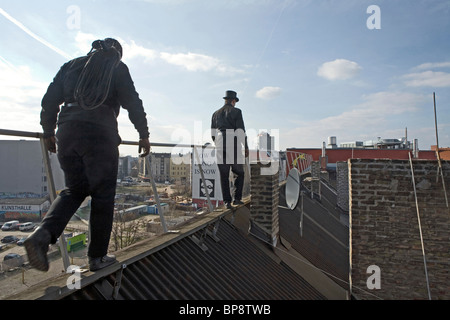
point(36, 246)
point(101, 262)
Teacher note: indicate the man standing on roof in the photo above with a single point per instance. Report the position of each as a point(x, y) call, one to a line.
point(228, 134)
point(91, 88)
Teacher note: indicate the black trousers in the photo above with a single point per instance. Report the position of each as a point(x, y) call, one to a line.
point(89, 156)
point(224, 170)
point(227, 158)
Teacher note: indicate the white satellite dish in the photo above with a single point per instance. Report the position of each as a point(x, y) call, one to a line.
point(292, 188)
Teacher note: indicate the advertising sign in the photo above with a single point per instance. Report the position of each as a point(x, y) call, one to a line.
point(211, 187)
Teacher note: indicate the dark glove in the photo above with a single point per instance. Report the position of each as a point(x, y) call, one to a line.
point(50, 144)
point(144, 145)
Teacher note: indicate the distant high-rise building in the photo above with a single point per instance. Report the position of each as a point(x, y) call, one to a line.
point(22, 170)
point(126, 165)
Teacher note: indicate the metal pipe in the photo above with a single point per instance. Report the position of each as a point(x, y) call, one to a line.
point(52, 193)
point(435, 123)
point(437, 151)
point(420, 227)
point(26, 134)
point(155, 192)
point(38, 135)
point(161, 144)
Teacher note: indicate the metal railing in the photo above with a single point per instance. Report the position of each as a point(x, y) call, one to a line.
point(52, 189)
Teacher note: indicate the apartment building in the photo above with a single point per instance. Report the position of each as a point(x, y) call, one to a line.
point(180, 168)
point(160, 167)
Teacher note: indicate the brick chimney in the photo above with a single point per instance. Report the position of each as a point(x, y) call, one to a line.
point(264, 190)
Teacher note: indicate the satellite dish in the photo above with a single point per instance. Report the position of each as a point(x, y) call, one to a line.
point(292, 188)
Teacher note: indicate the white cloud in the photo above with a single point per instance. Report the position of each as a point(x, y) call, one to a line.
point(267, 93)
point(191, 61)
point(363, 121)
point(132, 50)
point(372, 112)
point(339, 69)
point(387, 103)
point(198, 62)
point(83, 41)
point(432, 65)
point(21, 97)
point(17, 85)
point(427, 79)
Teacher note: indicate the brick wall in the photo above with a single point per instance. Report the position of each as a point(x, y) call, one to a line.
point(342, 185)
point(385, 230)
point(264, 190)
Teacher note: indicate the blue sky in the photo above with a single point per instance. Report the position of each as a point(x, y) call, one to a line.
point(304, 70)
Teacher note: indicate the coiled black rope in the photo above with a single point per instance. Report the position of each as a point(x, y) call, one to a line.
point(94, 82)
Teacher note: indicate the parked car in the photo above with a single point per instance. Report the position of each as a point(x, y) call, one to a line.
point(13, 260)
point(10, 225)
point(10, 239)
point(21, 240)
point(27, 226)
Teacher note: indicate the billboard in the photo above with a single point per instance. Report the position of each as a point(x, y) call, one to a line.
point(13, 209)
point(200, 191)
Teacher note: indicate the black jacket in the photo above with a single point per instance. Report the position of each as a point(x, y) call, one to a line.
point(227, 117)
point(122, 93)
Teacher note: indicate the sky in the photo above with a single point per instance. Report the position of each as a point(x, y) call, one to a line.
point(304, 70)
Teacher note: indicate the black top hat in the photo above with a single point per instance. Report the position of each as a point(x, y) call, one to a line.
point(229, 95)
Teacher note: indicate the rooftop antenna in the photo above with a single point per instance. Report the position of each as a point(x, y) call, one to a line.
point(437, 151)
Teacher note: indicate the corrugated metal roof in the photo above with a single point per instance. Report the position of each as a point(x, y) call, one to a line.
point(324, 239)
point(227, 266)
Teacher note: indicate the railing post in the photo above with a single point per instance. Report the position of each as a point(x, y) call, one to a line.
point(155, 192)
point(52, 193)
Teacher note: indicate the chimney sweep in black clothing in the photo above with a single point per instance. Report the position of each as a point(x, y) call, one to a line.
point(228, 134)
point(84, 101)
